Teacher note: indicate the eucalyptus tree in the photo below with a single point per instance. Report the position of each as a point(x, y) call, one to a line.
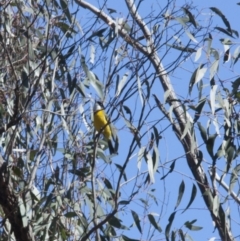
point(172, 100)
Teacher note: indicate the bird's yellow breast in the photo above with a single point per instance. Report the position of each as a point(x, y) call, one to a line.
point(100, 122)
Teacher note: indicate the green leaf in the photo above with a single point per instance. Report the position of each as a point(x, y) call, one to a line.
point(140, 157)
point(168, 227)
point(234, 177)
point(155, 158)
point(64, 233)
point(128, 111)
point(198, 54)
point(150, 165)
point(236, 54)
point(98, 33)
point(196, 77)
point(226, 56)
point(216, 205)
point(64, 27)
point(107, 183)
point(213, 98)
point(122, 84)
point(193, 195)
point(224, 31)
point(224, 19)
point(190, 16)
point(173, 236)
point(235, 85)
point(92, 79)
point(187, 128)
point(171, 169)
point(64, 5)
point(154, 223)
point(156, 135)
point(182, 236)
point(111, 10)
point(69, 79)
point(124, 202)
point(81, 89)
point(214, 68)
point(190, 36)
point(183, 21)
point(123, 24)
point(25, 79)
point(180, 193)
point(81, 172)
point(115, 222)
point(125, 238)
point(136, 220)
point(70, 215)
point(210, 144)
point(23, 213)
point(230, 154)
point(202, 132)
point(92, 54)
point(198, 109)
point(17, 171)
point(190, 225)
point(236, 33)
point(214, 53)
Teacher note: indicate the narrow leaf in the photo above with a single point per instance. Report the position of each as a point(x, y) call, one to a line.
point(202, 132)
point(92, 54)
point(196, 77)
point(214, 68)
point(210, 144)
point(199, 108)
point(234, 177)
point(192, 227)
point(230, 153)
point(236, 54)
point(224, 19)
point(191, 18)
point(168, 227)
point(140, 90)
point(155, 158)
point(121, 84)
point(125, 238)
point(216, 204)
point(115, 222)
point(198, 54)
point(171, 169)
point(190, 36)
point(150, 168)
point(140, 156)
point(180, 193)
point(136, 220)
point(223, 31)
point(193, 195)
point(212, 98)
point(154, 223)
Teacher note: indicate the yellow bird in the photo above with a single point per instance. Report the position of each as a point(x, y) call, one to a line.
point(102, 124)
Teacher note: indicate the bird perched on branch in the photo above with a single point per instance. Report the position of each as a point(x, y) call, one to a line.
point(102, 124)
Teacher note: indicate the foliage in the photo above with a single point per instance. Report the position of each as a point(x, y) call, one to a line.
point(57, 179)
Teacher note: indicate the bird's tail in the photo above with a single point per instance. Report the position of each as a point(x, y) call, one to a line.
point(111, 148)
